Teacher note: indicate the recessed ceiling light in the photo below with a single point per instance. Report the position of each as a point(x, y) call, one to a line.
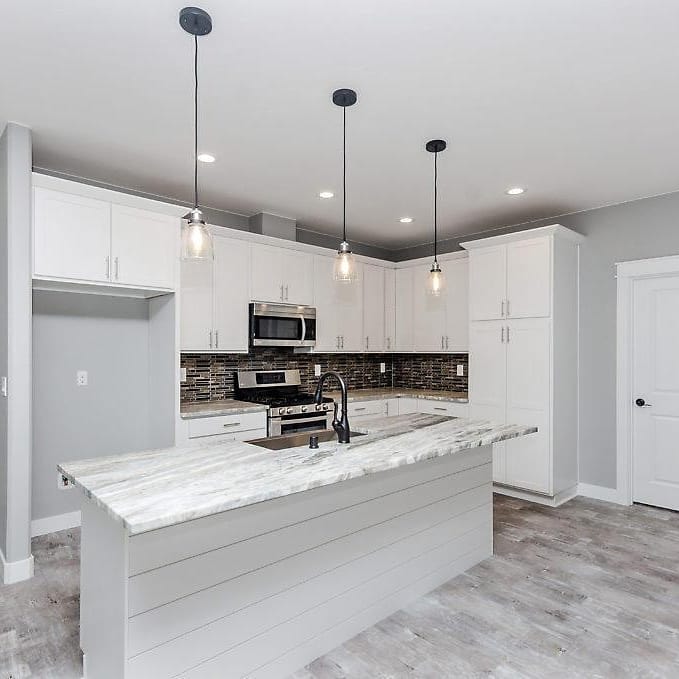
point(326, 194)
point(515, 191)
point(206, 158)
point(406, 220)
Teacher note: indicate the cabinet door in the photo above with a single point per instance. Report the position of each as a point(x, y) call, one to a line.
point(231, 298)
point(71, 236)
point(487, 283)
point(297, 277)
point(196, 312)
point(144, 247)
point(403, 326)
point(528, 396)
point(529, 275)
point(429, 314)
point(266, 274)
point(389, 309)
point(488, 382)
point(456, 293)
point(373, 307)
point(334, 307)
point(407, 406)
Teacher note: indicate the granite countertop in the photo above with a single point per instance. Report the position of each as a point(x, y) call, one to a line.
point(157, 488)
point(228, 406)
point(398, 392)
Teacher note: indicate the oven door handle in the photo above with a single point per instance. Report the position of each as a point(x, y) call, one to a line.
point(298, 420)
point(303, 328)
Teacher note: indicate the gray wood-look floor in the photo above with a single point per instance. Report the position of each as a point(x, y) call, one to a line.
point(588, 589)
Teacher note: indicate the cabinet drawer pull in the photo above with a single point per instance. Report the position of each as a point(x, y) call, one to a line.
point(502, 334)
point(440, 408)
point(232, 424)
point(116, 264)
point(210, 339)
point(357, 409)
point(108, 267)
point(508, 314)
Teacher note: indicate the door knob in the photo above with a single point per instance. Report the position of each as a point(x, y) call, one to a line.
point(642, 404)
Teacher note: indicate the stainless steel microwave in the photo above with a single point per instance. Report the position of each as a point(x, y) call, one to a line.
point(282, 325)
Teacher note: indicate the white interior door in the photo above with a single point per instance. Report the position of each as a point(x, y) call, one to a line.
point(655, 380)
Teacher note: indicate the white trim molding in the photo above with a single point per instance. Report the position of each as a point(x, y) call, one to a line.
point(547, 500)
point(601, 493)
point(15, 571)
point(52, 524)
point(627, 273)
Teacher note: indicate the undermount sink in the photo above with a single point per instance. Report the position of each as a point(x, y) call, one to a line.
point(297, 440)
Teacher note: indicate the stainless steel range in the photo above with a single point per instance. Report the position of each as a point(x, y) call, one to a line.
point(290, 409)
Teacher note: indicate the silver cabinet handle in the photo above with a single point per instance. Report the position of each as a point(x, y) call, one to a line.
point(507, 334)
point(232, 424)
point(367, 343)
point(282, 300)
point(108, 268)
point(342, 341)
point(502, 335)
point(357, 409)
point(441, 341)
point(502, 309)
point(507, 308)
point(337, 341)
point(447, 342)
point(216, 339)
point(440, 408)
point(210, 339)
point(388, 342)
point(115, 263)
point(286, 294)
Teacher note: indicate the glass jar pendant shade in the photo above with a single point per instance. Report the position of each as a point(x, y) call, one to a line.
point(345, 265)
point(436, 282)
point(196, 239)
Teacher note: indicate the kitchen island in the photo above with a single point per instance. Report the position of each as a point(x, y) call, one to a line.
point(230, 560)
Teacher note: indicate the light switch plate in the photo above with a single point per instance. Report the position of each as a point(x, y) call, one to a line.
point(81, 378)
point(383, 367)
point(460, 369)
point(3, 386)
point(317, 369)
point(182, 374)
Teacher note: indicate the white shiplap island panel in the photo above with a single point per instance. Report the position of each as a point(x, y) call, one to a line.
point(265, 586)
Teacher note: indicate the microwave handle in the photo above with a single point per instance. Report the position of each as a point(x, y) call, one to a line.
point(303, 329)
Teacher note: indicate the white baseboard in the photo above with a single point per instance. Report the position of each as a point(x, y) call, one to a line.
point(15, 571)
point(548, 500)
point(600, 493)
point(51, 524)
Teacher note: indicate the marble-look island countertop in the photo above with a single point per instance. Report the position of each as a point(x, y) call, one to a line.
point(227, 406)
point(158, 488)
point(399, 392)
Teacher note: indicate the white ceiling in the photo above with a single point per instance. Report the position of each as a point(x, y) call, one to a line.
point(578, 101)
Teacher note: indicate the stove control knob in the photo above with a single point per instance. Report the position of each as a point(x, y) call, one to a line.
point(326, 406)
point(319, 406)
point(281, 411)
point(303, 409)
point(288, 410)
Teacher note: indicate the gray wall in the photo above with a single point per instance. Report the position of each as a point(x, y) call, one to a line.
point(15, 345)
point(108, 337)
point(636, 230)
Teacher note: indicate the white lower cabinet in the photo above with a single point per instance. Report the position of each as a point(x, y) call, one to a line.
point(214, 300)
point(446, 408)
point(358, 410)
point(243, 427)
point(339, 309)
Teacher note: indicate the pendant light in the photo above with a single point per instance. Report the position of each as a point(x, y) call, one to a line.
point(345, 265)
point(436, 282)
point(196, 238)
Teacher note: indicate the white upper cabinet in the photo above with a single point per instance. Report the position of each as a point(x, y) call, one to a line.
point(231, 296)
point(144, 247)
point(512, 280)
point(403, 335)
point(389, 309)
point(373, 308)
point(529, 275)
point(429, 314)
point(456, 273)
point(281, 275)
point(488, 281)
point(339, 309)
point(214, 300)
point(78, 238)
point(71, 236)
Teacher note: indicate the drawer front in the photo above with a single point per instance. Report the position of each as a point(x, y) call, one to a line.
point(226, 424)
point(360, 408)
point(447, 408)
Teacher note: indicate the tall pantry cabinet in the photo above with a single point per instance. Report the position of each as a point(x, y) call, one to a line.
point(523, 354)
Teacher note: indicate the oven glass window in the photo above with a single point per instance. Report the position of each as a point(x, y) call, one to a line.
point(270, 327)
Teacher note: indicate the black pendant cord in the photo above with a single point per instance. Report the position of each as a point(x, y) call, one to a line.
point(195, 123)
point(436, 178)
point(344, 173)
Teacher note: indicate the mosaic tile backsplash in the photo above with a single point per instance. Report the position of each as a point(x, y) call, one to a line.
point(211, 377)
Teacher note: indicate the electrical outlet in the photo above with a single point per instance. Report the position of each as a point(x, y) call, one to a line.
point(81, 378)
point(317, 370)
point(460, 369)
point(182, 374)
point(3, 386)
point(383, 367)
